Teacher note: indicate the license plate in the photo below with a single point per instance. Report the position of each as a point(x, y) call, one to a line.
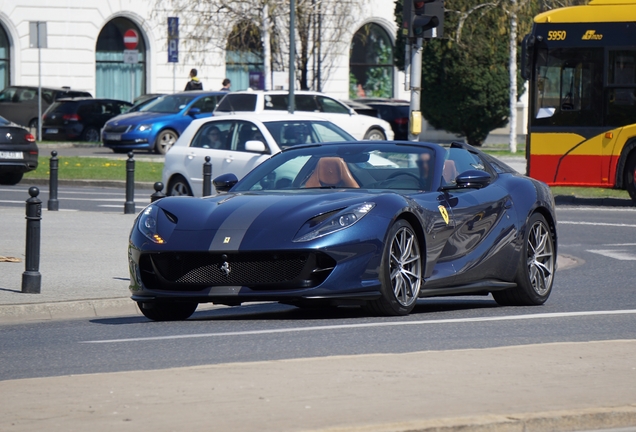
point(11, 155)
point(112, 137)
point(51, 131)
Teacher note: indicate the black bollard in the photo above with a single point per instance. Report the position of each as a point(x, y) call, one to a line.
point(31, 278)
point(129, 205)
point(53, 204)
point(158, 186)
point(207, 177)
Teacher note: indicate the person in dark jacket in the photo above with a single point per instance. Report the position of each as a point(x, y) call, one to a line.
point(194, 83)
point(226, 84)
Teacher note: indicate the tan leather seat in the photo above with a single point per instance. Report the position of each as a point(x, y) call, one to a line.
point(331, 171)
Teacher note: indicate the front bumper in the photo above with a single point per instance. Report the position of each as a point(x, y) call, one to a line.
point(338, 272)
point(128, 140)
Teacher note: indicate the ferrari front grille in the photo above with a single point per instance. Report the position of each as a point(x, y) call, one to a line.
point(258, 270)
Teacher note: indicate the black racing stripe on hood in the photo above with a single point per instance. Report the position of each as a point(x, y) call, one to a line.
point(231, 232)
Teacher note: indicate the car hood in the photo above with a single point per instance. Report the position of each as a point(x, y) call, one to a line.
point(140, 117)
point(248, 220)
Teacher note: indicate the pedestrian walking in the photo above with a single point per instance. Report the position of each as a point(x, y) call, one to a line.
point(194, 83)
point(226, 84)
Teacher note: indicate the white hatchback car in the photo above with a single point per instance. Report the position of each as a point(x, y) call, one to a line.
point(362, 127)
point(237, 144)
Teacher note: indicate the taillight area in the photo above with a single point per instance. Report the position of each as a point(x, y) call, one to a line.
point(71, 117)
point(402, 120)
point(29, 137)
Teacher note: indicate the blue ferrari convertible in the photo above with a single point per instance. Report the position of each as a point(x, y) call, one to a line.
point(375, 224)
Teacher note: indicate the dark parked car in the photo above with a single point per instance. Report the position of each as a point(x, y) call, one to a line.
point(361, 108)
point(80, 118)
point(20, 103)
point(395, 111)
point(18, 152)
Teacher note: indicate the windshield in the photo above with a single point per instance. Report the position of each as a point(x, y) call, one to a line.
point(355, 166)
point(290, 133)
point(168, 104)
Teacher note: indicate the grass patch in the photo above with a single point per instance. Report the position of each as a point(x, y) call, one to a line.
point(499, 150)
point(584, 192)
point(89, 168)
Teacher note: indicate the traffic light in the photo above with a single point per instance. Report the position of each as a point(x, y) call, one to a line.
point(423, 18)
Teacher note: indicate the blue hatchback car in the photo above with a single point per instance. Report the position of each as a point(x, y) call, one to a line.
point(158, 125)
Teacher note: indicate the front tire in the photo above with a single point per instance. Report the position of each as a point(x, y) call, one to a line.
point(165, 140)
point(179, 186)
point(375, 135)
point(401, 272)
point(167, 311)
point(535, 273)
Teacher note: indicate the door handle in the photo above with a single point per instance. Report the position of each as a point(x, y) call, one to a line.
point(192, 155)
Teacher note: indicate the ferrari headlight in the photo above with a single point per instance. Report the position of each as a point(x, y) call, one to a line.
point(147, 224)
point(332, 222)
point(144, 127)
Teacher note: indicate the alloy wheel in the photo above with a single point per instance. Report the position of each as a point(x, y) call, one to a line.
point(405, 266)
point(540, 258)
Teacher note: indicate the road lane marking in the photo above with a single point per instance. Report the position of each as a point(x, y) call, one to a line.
point(596, 209)
point(596, 223)
point(370, 325)
point(616, 254)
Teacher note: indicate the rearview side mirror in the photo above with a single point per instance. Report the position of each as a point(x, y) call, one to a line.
point(224, 182)
point(255, 147)
point(473, 179)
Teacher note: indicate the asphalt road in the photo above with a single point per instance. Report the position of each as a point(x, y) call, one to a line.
point(592, 301)
point(72, 198)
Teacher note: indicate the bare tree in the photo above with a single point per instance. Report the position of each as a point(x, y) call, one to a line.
point(323, 29)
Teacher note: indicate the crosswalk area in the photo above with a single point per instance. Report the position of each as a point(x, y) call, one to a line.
point(621, 252)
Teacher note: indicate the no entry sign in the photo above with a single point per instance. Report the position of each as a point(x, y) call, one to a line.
point(131, 38)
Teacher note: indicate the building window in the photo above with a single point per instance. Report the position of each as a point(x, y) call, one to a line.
point(5, 60)
point(371, 63)
point(116, 76)
point(244, 57)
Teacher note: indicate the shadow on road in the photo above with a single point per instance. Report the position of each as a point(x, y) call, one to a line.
point(281, 312)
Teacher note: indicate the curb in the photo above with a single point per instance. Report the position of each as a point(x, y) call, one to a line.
point(96, 308)
point(76, 309)
point(572, 420)
point(593, 202)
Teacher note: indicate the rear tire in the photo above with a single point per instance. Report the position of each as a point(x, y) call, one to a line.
point(401, 272)
point(630, 175)
point(535, 271)
point(168, 311)
point(179, 186)
point(165, 140)
point(10, 179)
point(375, 135)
